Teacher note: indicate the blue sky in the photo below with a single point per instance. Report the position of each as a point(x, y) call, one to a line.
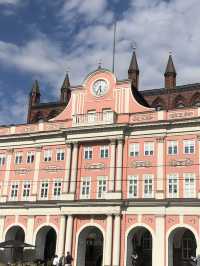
point(42, 39)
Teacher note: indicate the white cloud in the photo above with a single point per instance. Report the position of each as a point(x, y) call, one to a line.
point(9, 2)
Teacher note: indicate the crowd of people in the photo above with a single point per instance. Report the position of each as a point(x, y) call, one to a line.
point(63, 260)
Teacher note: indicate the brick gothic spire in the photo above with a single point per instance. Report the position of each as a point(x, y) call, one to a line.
point(35, 93)
point(170, 74)
point(133, 71)
point(65, 90)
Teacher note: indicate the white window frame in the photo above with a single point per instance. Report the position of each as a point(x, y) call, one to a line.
point(57, 188)
point(18, 158)
point(132, 182)
point(185, 144)
point(46, 182)
point(149, 147)
point(189, 193)
point(30, 157)
point(89, 152)
point(14, 190)
point(174, 177)
point(92, 116)
point(101, 188)
point(104, 150)
point(48, 155)
point(172, 144)
point(2, 159)
point(86, 188)
point(60, 154)
point(25, 183)
point(147, 177)
point(134, 149)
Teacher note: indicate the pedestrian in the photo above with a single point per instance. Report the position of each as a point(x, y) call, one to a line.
point(69, 259)
point(134, 258)
point(55, 261)
point(62, 260)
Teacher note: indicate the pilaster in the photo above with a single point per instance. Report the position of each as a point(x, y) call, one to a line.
point(160, 169)
point(74, 168)
point(69, 232)
point(61, 239)
point(108, 251)
point(116, 241)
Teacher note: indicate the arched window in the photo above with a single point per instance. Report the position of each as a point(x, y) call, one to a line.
point(195, 101)
point(179, 102)
point(158, 104)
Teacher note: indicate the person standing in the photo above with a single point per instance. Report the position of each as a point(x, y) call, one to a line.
point(69, 259)
point(62, 260)
point(55, 261)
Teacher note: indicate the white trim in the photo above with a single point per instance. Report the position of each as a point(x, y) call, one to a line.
point(85, 179)
point(13, 225)
point(184, 191)
point(176, 175)
point(153, 180)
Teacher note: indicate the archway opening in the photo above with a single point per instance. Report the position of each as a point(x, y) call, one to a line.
point(45, 243)
point(140, 241)
point(90, 247)
point(182, 245)
point(15, 233)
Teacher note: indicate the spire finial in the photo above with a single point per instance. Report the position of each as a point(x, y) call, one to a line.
point(100, 64)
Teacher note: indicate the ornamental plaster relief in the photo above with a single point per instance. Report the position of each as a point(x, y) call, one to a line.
point(193, 221)
point(171, 220)
point(55, 219)
point(39, 220)
point(23, 220)
point(8, 221)
point(149, 220)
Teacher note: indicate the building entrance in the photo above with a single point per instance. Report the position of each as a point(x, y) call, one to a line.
point(15, 254)
point(90, 247)
point(46, 243)
point(182, 245)
point(139, 241)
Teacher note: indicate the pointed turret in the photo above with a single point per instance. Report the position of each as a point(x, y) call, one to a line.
point(35, 93)
point(65, 90)
point(133, 71)
point(170, 74)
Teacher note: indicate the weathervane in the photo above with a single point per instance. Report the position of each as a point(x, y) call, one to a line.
point(100, 64)
point(134, 45)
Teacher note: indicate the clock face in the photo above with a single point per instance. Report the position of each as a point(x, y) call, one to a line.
point(100, 87)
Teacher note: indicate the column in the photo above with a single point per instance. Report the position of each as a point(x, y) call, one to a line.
point(160, 169)
point(2, 219)
point(108, 251)
point(30, 230)
point(112, 166)
point(61, 240)
point(68, 242)
point(119, 165)
point(116, 241)
point(7, 173)
point(158, 252)
point(67, 168)
point(74, 168)
point(36, 172)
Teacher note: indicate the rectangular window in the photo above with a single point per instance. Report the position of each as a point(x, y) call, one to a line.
point(44, 189)
point(2, 159)
point(14, 191)
point(189, 182)
point(57, 188)
point(102, 187)
point(60, 155)
point(189, 146)
point(88, 153)
point(30, 157)
point(91, 116)
point(134, 149)
point(172, 147)
point(26, 189)
point(104, 152)
point(18, 158)
point(148, 148)
point(47, 155)
point(148, 186)
point(132, 186)
point(173, 186)
point(85, 188)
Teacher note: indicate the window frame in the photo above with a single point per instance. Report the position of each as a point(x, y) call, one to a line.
point(104, 149)
point(41, 183)
point(148, 177)
point(192, 176)
point(89, 151)
point(134, 150)
point(132, 178)
point(103, 192)
point(26, 182)
point(184, 146)
point(86, 195)
point(147, 145)
point(2, 159)
point(172, 146)
point(61, 153)
point(56, 188)
point(47, 155)
point(16, 191)
point(175, 176)
point(30, 154)
point(19, 157)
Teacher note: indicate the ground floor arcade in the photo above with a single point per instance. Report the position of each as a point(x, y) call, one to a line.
point(106, 238)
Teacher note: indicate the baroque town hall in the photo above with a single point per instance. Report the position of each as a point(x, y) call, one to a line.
point(106, 171)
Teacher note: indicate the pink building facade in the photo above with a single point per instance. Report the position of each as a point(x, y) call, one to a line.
point(106, 177)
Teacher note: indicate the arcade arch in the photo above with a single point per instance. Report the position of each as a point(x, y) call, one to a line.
point(90, 247)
